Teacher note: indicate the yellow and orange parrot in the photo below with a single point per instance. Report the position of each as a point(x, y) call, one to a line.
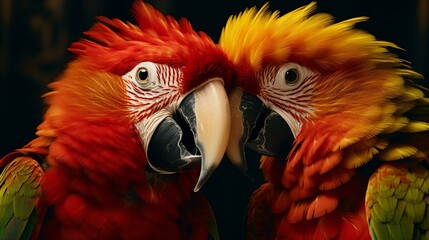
point(342, 123)
point(136, 123)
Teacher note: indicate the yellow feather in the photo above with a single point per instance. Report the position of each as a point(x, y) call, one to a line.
point(345, 142)
point(395, 85)
point(415, 126)
point(357, 159)
point(255, 36)
point(409, 73)
point(357, 156)
point(424, 100)
point(412, 93)
point(404, 107)
point(397, 152)
point(396, 124)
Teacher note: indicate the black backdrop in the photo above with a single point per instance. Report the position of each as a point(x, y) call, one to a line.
point(34, 36)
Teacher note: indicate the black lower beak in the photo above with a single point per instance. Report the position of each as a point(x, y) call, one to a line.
point(166, 151)
point(246, 110)
point(274, 139)
point(255, 126)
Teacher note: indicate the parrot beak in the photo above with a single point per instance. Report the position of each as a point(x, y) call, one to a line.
point(255, 126)
point(245, 112)
point(205, 112)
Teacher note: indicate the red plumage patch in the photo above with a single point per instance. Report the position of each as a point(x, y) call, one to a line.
point(317, 197)
point(155, 38)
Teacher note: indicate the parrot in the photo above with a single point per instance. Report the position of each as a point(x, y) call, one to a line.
point(340, 123)
point(132, 129)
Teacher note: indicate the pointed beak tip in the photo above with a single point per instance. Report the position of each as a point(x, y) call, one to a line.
point(206, 113)
point(197, 188)
point(212, 127)
point(205, 174)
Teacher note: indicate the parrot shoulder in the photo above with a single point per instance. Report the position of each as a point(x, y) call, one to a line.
point(396, 201)
point(20, 205)
point(396, 197)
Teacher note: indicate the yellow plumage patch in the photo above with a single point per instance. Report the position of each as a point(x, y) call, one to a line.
point(262, 36)
point(397, 152)
point(416, 126)
point(365, 108)
point(411, 94)
point(362, 152)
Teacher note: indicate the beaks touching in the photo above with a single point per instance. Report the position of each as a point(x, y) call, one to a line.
point(210, 117)
point(206, 113)
point(245, 112)
point(255, 126)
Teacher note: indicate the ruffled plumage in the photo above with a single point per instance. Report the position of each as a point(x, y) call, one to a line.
point(93, 174)
point(366, 107)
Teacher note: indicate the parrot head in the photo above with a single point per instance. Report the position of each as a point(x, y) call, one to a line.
point(159, 78)
point(307, 85)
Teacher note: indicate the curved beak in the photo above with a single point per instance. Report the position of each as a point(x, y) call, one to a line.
point(246, 109)
point(196, 134)
point(255, 126)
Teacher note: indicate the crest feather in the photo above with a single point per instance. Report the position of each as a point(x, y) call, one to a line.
point(155, 37)
point(263, 37)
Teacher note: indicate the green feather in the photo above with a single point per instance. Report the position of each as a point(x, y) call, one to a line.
point(19, 188)
point(379, 230)
point(378, 213)
point(414, 195)
point(31, 223)
point(403, 214)
point(23, 206)
point(415, 211)
point(399, 212)
point(425, 222)
point(395, 231)
point(388, 206)
point(6, 212)
point(401, 190)
point(407, 228)
point(385, 190)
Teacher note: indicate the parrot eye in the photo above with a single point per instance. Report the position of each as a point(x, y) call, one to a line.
point(142, 76)
point(291, 76)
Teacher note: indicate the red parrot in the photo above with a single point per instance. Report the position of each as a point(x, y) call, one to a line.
point(136, 123)
point(342, 123)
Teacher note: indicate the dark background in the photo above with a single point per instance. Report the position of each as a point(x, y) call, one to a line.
point(34, 36)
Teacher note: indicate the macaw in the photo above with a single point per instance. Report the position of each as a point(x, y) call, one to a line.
point(340, 121)
point(133, 127)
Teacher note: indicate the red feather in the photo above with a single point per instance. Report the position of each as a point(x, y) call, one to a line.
point(98, 183)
